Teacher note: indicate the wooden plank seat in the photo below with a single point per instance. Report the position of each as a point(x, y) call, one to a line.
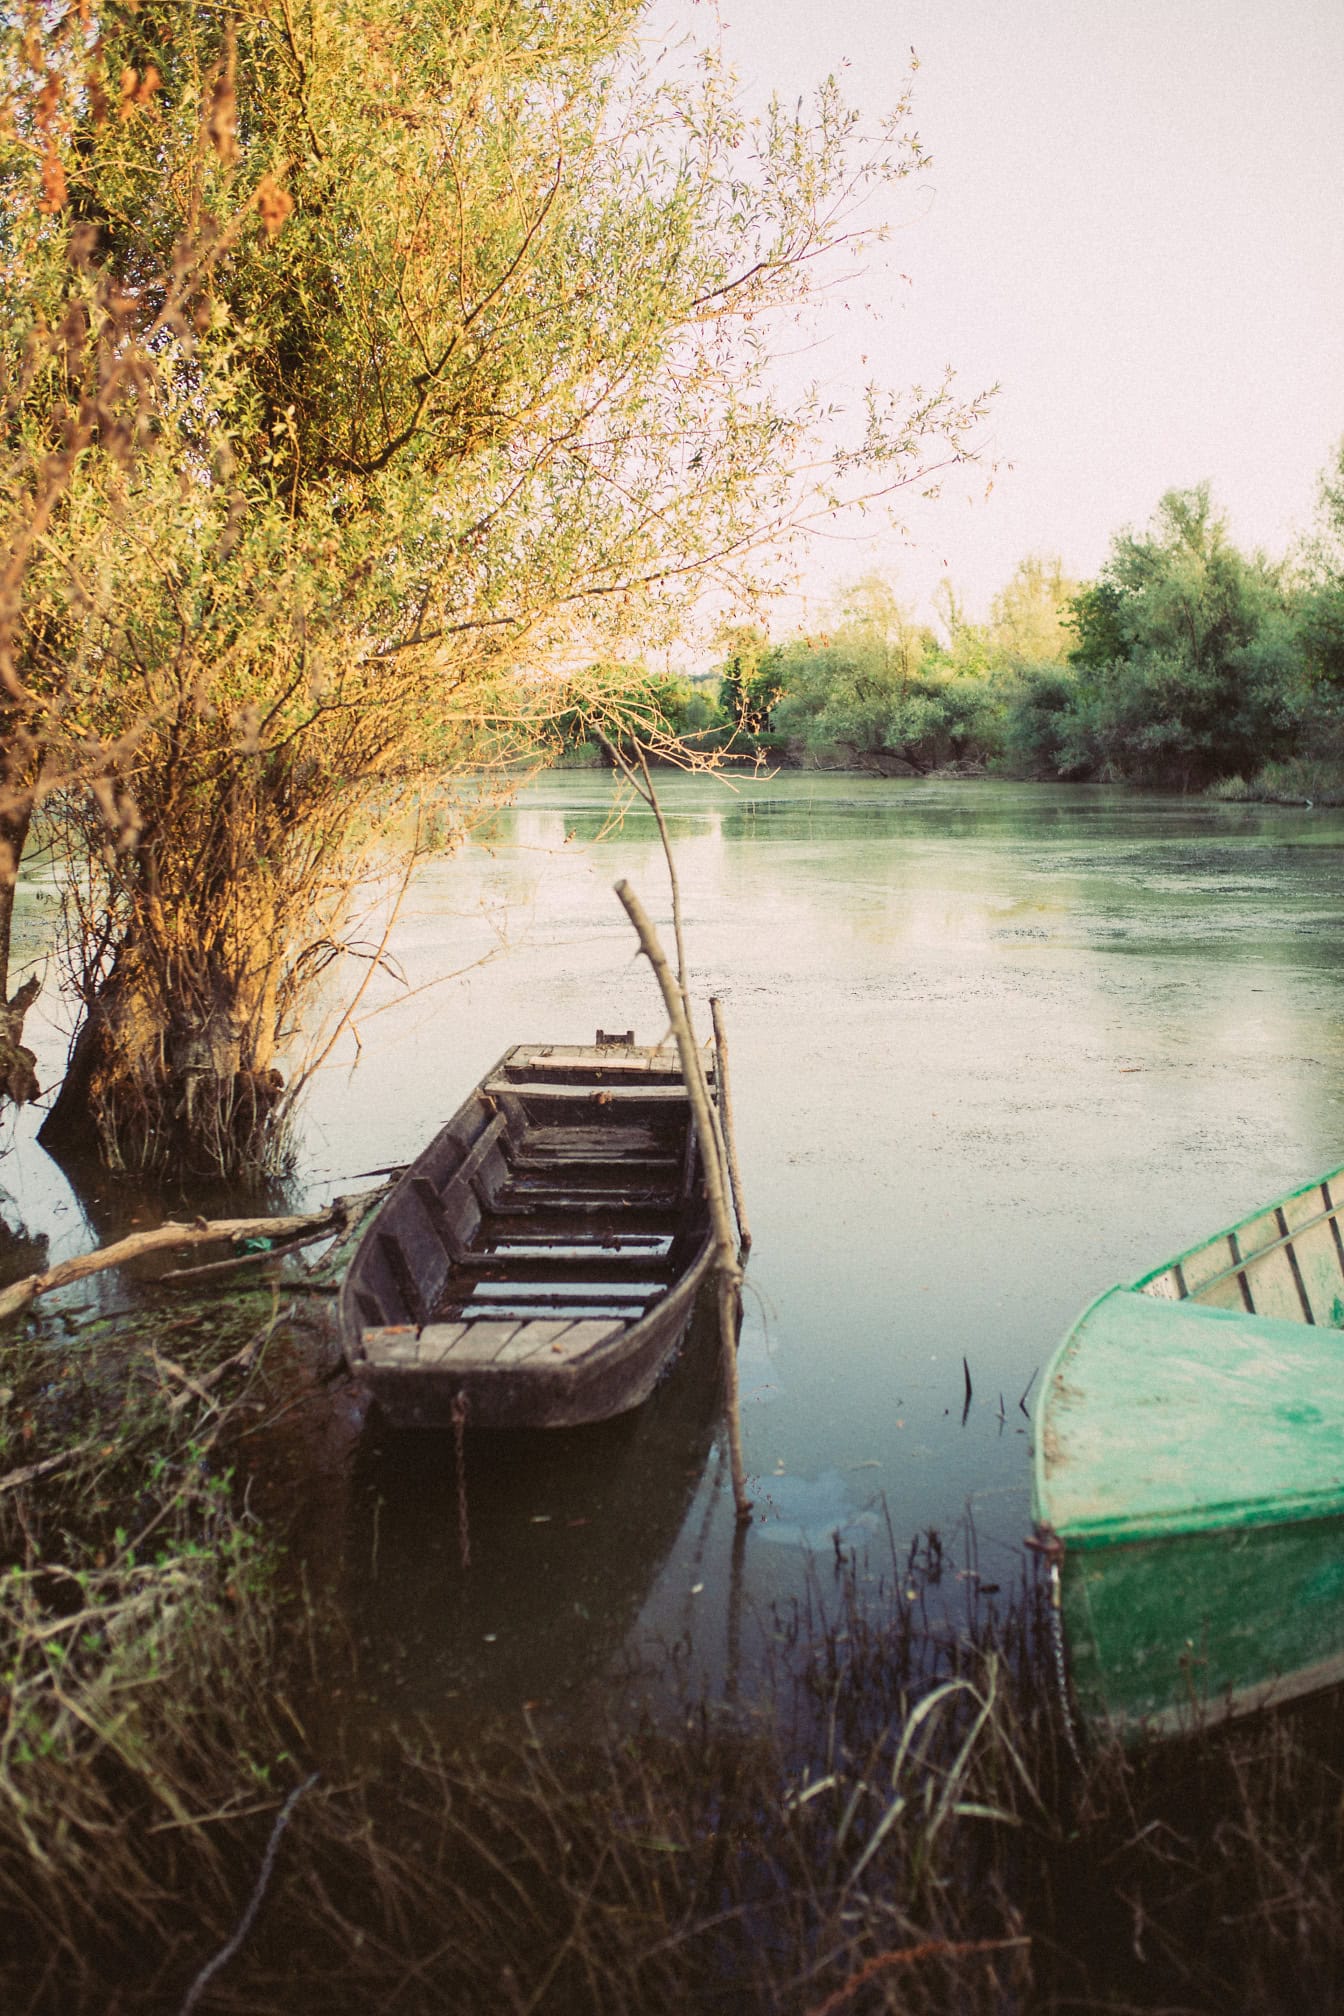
point(461, 1345)
point(528, 1196)
point(546, 1264)
point(506, 1238)
point(547, 1093)
point(598, 1222)
point(601, 1141)
point(574, 1060)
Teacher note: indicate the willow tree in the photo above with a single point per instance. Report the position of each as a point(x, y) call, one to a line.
point(469, 381)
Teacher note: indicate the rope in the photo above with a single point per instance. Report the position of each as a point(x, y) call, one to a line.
point(460, 1455)
point(1061, 1668)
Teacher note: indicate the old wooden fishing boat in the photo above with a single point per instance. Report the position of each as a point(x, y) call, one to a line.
point(537, 1266)
point(1189, 1476)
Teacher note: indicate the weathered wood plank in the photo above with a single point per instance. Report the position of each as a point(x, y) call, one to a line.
point(439, 1340)
point(583, 1337)
point(471, 1303)
point(1274, 1288)
point(541, 1333)
point(480, 1148)
point(535, 1092)
point(547, 1265)
point(1318, 1260)
point(631, 1062)
point(483, 1341)
point(392, 1344)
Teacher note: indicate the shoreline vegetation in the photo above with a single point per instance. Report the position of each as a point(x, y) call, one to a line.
point(895, 1821)
point(1186, 665)
point(1305, 783)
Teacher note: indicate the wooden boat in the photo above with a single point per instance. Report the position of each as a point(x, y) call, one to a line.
point(1189, 1477)
point(538, 1264)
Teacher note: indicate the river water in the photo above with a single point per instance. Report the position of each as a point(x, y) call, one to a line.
point(994, 1047)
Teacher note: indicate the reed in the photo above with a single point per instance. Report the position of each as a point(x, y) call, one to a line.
point(894, 1823)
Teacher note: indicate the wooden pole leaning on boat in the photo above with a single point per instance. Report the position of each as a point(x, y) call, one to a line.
point(726, 1262)
point(726, 1117)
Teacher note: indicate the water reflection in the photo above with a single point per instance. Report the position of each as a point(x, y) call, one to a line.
point(567, 1535)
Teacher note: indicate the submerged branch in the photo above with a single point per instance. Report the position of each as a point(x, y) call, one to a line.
point(202, 1232)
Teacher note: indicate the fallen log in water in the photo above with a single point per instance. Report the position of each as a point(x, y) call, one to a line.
point(200, 1232)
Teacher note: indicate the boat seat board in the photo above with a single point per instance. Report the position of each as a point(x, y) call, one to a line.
point(614, 1060)
point(1163, 1416)
point(529, 1195)
point(464, 1346)
point(562, 1141)
point(546, 1264)
point(539, 1092)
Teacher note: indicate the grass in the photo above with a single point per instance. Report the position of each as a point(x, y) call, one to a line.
point(894, 1823)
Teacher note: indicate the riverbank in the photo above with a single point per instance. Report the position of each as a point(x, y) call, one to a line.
point(893, 1820)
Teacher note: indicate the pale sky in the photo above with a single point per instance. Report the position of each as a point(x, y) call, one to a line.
point(1134, 221)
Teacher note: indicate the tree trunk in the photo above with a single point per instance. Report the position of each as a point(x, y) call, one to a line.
point(18, 1065)
point(179, 1088)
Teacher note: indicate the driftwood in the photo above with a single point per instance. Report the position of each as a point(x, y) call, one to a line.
point(181, 1277)
point(716, 1184)
point(161, 1238)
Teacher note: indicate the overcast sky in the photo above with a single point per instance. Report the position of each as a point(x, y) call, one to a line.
point(1134, 221)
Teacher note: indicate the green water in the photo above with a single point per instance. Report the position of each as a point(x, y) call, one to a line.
point(993, 1048)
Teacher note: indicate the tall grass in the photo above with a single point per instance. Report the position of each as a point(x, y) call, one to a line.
point(895, 1822)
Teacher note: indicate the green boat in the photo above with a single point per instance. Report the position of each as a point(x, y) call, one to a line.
point(1189, 1478)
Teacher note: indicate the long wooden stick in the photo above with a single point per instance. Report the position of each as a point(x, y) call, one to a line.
point(726, 1116)
point(725, 1246)
point(645, 790)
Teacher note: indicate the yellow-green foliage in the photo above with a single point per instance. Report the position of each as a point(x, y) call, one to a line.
point(373, 366)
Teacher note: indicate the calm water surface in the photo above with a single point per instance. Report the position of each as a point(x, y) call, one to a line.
point(993, 1047)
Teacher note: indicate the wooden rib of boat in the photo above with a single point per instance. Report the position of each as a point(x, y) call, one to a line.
point(1189, 1477)
point(539, 1262)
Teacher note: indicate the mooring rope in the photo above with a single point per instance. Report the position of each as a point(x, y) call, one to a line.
point(1061, 1666)
point(460, 1457)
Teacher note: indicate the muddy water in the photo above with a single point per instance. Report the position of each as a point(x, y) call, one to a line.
point(994, 1047)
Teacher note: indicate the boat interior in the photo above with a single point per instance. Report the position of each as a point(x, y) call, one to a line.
point(1286, 1262)
point(556, 1208)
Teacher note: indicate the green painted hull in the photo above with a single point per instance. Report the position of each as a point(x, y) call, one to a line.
point(1165, 1636)
point(1189, 1477)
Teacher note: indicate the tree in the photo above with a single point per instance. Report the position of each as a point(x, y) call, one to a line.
point(875, 685)
point(1029, 617)
point(1186, 657)
point(468, 382)
point(1320, 602)
point(749, 677)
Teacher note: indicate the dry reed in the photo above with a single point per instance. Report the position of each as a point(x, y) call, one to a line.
point(895, 1824)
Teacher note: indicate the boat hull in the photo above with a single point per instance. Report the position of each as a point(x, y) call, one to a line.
point(1189, 1477)
point(537, 1266)
point(1166, 1636)
point(611, 1381)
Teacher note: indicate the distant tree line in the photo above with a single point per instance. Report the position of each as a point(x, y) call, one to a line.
point(1185, 665)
